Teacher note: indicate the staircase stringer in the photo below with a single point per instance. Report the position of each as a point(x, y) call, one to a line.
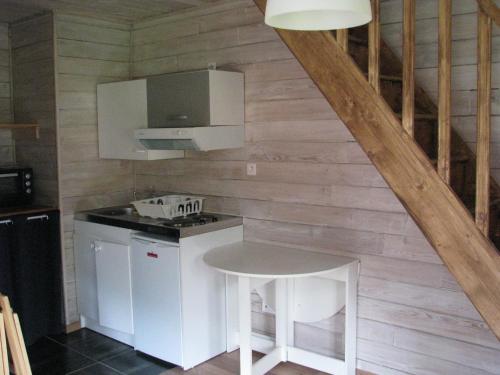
point(444, 220)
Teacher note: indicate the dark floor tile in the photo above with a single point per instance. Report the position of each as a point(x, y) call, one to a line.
point(49, 357)
point(76, 336)
point(96, 369)
point(133, 363)
point(96, 346)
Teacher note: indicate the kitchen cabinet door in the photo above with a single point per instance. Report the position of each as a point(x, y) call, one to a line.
point(114, 290)
point(157, 300)
point(7, 246)
point(38, 291)
point(86, 276)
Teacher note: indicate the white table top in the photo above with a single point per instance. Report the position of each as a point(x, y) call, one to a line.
point(253, 259)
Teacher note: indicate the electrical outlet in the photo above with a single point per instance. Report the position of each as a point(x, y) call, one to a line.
point(251, 169)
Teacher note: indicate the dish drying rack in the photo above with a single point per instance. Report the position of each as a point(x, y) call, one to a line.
point(169, 206)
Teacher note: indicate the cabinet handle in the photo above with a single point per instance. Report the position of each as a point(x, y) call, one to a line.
point(39, 217)
point(95, 247)
point(7, 222)
point(179, 117)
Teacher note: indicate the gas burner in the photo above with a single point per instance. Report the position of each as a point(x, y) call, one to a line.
point(190, 221)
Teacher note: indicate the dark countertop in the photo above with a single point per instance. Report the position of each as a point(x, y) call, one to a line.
point(24, 210)
point(156, 226)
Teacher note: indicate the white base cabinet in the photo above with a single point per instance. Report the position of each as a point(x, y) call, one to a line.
point(103, 279)
point(179, 302)
point(158, 296)
point(157, 299)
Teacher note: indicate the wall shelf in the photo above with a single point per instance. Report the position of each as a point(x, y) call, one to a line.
point(34, 127)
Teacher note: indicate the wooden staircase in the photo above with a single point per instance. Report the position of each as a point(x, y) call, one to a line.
point(462, 158)
point(411, 142)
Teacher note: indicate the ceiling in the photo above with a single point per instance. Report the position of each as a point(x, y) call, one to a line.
point(119, 10)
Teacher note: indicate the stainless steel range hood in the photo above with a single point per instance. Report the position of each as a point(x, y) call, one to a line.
point(205, 138)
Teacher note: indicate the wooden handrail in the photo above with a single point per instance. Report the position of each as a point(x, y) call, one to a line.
point(374, 47)
point(490, 8)
point(483, 122)
point(445, 221)
point(409, 66)
point(444, 78)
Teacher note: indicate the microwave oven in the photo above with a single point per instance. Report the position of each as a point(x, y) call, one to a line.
point(16, 186)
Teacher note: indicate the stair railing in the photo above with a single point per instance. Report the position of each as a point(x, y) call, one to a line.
point(487, 13)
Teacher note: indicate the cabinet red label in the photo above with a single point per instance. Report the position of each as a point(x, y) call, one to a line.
point(152, 255)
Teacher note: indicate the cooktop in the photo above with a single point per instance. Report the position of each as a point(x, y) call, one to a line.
point(127, 217)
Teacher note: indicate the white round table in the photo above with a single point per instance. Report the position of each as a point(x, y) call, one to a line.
point(251, 260)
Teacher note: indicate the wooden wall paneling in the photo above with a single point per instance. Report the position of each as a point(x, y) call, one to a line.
point(7, 144)
point(295, 139)
point(34, 102)
point(408, 116)
point(483, 122)
point(444, 106)
point(89, 52)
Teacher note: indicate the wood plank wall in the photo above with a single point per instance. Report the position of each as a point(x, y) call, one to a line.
point(34, 101)
point(314, 189)
point(7, 153)
point(88, 52)
point(464, 63)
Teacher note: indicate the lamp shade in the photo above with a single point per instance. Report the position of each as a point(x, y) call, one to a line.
point(317, 14)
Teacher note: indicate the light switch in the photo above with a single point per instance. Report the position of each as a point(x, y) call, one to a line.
point(251, 169)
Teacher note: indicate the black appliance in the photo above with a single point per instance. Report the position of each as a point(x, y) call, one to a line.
point(16, 186)
point(31, 271)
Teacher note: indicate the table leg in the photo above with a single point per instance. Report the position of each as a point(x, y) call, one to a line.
point(282, 317)
point(351, 309)
point(245, 316)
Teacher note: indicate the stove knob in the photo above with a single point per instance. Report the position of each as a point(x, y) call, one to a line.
point(28, 183)
point(28, 191)
point(27, 176)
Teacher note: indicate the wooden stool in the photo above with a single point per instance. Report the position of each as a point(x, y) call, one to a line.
point(11, 337)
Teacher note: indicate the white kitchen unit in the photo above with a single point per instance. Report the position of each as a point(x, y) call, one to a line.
point(179, 302)
point(161, 116)
point(103, 279)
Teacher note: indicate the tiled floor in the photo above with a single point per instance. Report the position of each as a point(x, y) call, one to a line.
point(85, 352)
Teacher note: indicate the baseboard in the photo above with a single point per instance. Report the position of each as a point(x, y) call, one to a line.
point(363, 372)
point(73, 327)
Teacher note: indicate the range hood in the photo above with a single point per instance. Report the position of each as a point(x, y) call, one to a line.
point(204, 138)
point(160, 117)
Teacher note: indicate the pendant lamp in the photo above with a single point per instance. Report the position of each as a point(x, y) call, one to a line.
point(311, 15)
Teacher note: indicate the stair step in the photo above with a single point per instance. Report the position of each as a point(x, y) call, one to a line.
point(454, 159)
point(389, 78)
point(357, 40)
point(421, 116)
